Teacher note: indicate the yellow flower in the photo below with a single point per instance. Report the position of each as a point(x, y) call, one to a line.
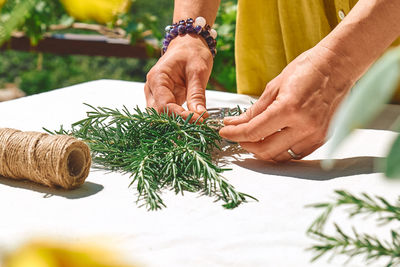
point(48, 254)
point(101, 11)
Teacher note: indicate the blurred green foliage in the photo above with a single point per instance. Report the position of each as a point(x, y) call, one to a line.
point(224, 73)
point(34, 16)
point(35, 73)
point(147, 15)
point(54, 72)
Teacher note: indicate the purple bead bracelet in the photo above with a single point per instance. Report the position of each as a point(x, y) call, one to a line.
point(191, 26)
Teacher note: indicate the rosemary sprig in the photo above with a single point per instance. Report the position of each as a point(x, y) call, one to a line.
point(356, 243)
point(371, 247)
point(159, 151)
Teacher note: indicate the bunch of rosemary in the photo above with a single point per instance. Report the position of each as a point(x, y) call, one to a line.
point(355, 243)
point(158, 150)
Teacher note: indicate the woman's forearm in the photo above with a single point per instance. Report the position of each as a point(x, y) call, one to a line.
point(196, 8)
point(370, 27)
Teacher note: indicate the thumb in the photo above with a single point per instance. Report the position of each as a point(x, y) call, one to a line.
point(196, 98)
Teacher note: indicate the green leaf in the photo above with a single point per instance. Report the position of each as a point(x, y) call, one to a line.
point(16, 18)
point(365, 101)
point(392, 169)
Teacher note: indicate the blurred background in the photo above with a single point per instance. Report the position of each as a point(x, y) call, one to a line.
point(49, 44)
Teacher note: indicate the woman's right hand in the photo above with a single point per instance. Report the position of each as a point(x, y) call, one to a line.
point(180, 75)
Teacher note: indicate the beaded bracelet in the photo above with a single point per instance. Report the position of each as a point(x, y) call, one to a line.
point(191, 26)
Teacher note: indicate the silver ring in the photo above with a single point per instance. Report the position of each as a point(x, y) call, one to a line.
point(293, 155)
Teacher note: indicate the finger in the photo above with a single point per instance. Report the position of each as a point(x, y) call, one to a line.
point(168, 108)
point(179, 110)
point(285, 155)
point(161, 89)
point(180, 94)
point(173, 108)
point(268, 96)
point(303, 149)
point(261, 126)
point(272, 146)
point(195, 117)
point(149, 96)
point(196, 99)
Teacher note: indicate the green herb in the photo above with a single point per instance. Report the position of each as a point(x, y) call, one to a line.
point(159, 151)
point(357, 243)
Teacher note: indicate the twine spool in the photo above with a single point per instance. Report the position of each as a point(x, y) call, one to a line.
point(51, 160)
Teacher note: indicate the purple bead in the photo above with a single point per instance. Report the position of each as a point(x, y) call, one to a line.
point(168, 37)
point(213, 52)
point(190, 28)
point(205, 34)
point(181, 22)
point(174, 32)
point(198, 29)
point(165, 43)
point(212, 44)
point(190, 20)
point(210, 40)
point(207, 27)
point(181, 29)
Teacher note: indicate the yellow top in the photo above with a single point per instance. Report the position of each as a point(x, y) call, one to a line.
point(271, 33)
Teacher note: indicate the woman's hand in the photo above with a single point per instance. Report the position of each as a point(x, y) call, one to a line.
point(295, 109)
point(180, 75)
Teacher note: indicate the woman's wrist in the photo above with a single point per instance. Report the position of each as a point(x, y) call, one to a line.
point(336, 68)
point(333, 62)
point(366, 32)
point(190, 45)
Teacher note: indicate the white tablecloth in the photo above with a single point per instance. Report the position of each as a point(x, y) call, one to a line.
point(192, 230)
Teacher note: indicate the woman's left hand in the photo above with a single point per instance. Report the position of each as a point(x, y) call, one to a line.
point(295, 109)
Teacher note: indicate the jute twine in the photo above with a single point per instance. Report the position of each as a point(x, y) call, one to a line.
point(51, 160)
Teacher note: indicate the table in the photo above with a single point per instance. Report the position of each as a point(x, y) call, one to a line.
point(192, 230)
